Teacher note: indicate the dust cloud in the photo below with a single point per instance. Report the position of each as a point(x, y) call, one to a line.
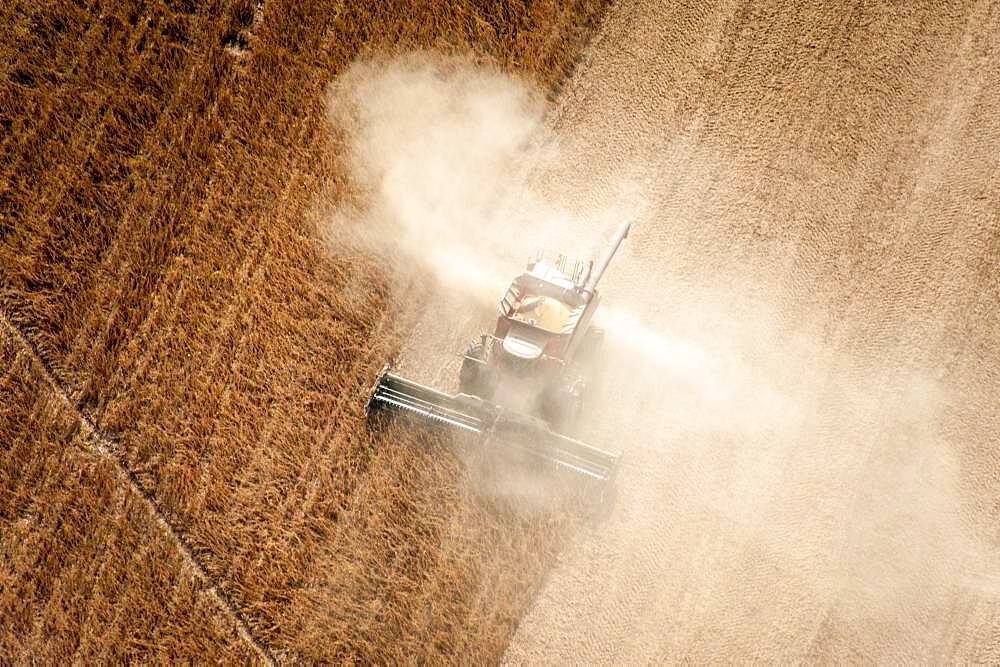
point(441, 151)
point(764, 468)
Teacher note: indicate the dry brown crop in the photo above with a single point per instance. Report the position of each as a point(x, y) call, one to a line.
point(164, 166)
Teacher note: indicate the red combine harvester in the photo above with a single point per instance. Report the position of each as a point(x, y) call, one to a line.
point(522, 388)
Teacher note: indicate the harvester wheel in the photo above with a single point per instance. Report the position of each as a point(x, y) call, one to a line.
point(572, 410)
point(590, 350)
point(471, 377)
point(590, 360)
point(565, 406)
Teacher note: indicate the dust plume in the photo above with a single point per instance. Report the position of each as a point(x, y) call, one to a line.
point(826, 479)
point(440, 150)
point(447, 156)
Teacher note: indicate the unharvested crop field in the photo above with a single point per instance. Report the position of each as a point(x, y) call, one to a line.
point(163, 257)
point(806, 321)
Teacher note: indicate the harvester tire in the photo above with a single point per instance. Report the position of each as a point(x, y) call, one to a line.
point(565, 406)
point(593, 341)
point(470, 376)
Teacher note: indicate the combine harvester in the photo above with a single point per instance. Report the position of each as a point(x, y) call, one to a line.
point(521, 388)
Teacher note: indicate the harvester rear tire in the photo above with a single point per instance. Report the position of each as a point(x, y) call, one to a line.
point(590, 349)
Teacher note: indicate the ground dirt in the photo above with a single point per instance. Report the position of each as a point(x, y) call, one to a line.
point(808, 316)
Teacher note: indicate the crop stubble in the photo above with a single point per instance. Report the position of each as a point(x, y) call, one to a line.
point(821, 225)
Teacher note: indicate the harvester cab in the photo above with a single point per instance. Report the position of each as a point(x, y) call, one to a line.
point(522, 387)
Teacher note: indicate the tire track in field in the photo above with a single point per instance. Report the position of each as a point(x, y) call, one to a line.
point(106, 447)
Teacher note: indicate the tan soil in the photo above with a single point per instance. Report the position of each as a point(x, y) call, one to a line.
point(811, 468)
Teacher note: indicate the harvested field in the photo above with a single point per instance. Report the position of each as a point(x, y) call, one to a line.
point(163, 248)
point(812, 465)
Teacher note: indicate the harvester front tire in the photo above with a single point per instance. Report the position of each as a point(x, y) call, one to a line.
point(470, 376)
point(565, 407)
